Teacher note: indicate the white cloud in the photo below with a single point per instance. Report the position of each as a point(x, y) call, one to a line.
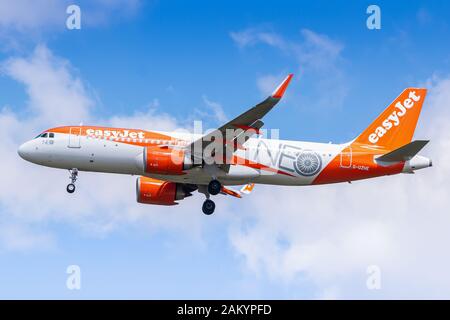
point(102, 12)
point(217, 111)
point(252, 36)
point(26, 15)
point(328, 235)
point(314, 50)
point(29, 19)
point(319, 60)
point(318, 50)
point(50, 85)
point(325, 236)
point(19, 237)
point(267, 83)
point(102, 203)
point(151, 118)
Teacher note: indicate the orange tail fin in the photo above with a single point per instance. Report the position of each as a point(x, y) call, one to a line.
point(395, 126)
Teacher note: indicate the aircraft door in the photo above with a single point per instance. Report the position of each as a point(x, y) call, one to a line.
point(75, 137)
point(346, 158)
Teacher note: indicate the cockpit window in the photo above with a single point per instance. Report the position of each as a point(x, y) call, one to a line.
point(45, 135)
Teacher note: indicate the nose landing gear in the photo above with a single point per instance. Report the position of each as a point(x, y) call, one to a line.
point(73, 177)
point(70, 188)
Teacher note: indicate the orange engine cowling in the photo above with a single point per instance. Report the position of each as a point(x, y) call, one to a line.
point(166, 161)
point(153, 191)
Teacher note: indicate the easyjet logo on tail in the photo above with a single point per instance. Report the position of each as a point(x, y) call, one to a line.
point(394, 119)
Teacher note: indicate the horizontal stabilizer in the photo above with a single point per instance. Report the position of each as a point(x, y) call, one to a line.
point(247, 189)
point(404, 153)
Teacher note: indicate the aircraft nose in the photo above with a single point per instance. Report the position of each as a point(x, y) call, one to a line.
point(24, 151)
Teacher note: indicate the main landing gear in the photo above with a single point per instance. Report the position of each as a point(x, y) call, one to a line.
point(208, 207)
point(73, 177)
point(213, 188)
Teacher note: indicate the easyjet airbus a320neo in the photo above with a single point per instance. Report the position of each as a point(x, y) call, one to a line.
point(172, 165)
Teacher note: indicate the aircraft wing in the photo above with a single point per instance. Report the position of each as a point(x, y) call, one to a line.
point(232, 135)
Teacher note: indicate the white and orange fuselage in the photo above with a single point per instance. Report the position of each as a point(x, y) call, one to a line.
point(165, 162)
point(265, 161)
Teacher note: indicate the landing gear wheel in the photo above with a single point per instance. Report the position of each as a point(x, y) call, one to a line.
point(208, 207)
point(214, 187)
point(73, 177)
point(70, 188)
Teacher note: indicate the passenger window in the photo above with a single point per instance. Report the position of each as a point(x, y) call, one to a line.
point(51, 135)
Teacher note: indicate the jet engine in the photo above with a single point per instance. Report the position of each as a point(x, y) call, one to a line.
point(153, 191)
point(168, 161)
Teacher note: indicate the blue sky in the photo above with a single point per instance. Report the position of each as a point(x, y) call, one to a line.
point(166, 63)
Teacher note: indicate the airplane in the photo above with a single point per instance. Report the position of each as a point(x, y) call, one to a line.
point(172, 165)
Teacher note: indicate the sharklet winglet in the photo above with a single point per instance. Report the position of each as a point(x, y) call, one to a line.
point(279, 91)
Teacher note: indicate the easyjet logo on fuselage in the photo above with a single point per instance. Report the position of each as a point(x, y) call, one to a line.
point(115, 133)
point(394, 119)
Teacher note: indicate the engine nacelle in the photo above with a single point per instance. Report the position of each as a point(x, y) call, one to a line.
point(166, 161)
point(153, 191)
